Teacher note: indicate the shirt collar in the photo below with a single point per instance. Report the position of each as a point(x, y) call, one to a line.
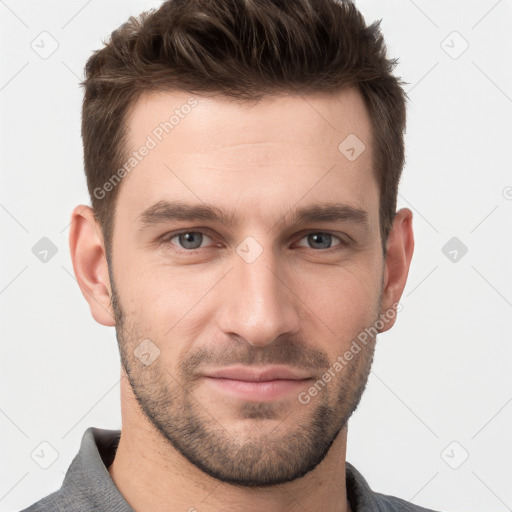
point(88, 478)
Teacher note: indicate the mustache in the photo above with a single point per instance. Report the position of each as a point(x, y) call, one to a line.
point(288, 352)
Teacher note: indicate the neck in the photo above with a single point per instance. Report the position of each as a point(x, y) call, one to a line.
point(153, 476)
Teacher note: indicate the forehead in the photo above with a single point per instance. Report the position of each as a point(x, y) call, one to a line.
point(259, 154)
point(288, 119)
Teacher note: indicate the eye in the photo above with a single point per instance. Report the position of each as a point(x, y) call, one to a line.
point(187, 240)
point(320, 240)
point(190, 241)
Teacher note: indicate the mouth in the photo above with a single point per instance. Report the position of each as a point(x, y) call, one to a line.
point(252, 384)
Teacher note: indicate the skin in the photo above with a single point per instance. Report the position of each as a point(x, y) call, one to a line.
point(302, 302)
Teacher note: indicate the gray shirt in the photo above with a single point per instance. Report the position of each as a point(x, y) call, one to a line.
point(88, 487)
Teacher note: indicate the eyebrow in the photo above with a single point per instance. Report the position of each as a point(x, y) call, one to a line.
point(165, 211)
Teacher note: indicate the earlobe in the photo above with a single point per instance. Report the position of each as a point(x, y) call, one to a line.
point(90, 263)
point(398, 260)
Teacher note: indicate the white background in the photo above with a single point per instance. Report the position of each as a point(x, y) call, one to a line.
point(442, 374)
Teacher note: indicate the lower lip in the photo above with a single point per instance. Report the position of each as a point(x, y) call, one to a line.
point(260, 391)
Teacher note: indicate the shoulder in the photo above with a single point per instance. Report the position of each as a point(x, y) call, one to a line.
point(54, 502)
point(363, 499)
point(394, 504)
point(87, 485)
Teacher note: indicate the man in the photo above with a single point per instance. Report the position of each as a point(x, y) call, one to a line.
point(243, 160)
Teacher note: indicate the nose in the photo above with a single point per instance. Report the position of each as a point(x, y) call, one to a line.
point(258, 301)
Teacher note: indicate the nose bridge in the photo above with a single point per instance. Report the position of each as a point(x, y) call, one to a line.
point(259, 305)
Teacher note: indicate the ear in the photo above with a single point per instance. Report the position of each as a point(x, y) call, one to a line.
point(90, 263)
point(399, 252)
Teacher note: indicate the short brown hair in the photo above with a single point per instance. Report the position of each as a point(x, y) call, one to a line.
point(244, 50)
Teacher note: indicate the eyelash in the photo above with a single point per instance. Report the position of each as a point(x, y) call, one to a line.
point(166, 241)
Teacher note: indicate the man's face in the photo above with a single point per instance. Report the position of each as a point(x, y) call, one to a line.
point(259, 288)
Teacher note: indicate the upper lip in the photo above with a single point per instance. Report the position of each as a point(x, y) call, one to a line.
point(258, 374)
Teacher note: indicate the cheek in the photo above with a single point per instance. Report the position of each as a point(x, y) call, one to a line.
point(146, 285)
point(344, 300)
point(173, 303)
